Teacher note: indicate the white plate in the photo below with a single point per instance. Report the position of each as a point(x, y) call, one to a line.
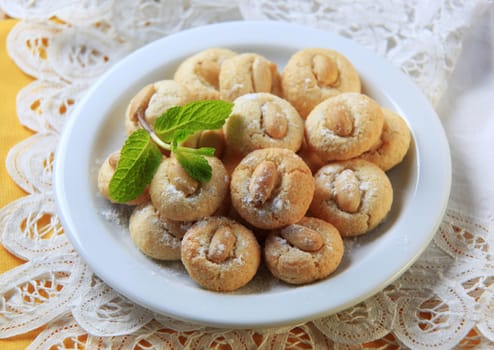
point(421, 184)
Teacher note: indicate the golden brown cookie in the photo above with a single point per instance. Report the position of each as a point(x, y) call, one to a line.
point(199, 73)
point(353, 195)
point(247, 73)
point(304, 252)
point(344, 126)
point(315, 74)
point(393, 144)
point(262, 120)
point(105, 174)
point(271, 188)
point(155, 99)
point(177, 196)
point(156, 237)
point(220, 254)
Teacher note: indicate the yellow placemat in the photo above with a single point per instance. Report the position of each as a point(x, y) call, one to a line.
point(12, 79)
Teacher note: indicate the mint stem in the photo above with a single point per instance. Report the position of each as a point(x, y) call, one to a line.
point(145, 126)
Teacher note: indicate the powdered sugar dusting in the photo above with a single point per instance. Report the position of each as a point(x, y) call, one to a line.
point(308, 83)
point(279, 204)
point(237, 87)
point(170, 241)
point(117, 214)
point(249, 96)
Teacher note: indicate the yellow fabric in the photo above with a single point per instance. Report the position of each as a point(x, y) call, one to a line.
point(12, 79)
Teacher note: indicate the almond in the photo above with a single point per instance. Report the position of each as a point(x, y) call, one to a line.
point(340, 121)
point(347, 191)
point(263, 182)
point(274, 120)
point(302, 237)
point(325, 70)
point(210, 71)
point(261, 75)
point(222, 244)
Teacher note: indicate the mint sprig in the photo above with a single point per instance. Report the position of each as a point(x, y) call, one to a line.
point(139, 160)
point(140, 156)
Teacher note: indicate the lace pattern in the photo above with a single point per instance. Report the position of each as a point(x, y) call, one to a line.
point(30, 162)
point(31, 228)
point(44, 105)
point(444, 300)
point(38, 291)
point(101, 310)
point(420, 37)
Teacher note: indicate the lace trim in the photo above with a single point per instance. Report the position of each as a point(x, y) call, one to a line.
point(31, 228)
point(39, 291)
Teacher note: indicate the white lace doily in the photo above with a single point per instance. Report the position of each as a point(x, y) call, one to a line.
point(444, 300)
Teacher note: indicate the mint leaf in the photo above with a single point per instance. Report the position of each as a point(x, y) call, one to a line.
point(194, 162)
point(178, 123)
point(139, 160)
point(205, 151)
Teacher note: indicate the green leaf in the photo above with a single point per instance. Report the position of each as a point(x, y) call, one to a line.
point(178, 123)
point(139, 160)
point(194, 162)
point(205, 151)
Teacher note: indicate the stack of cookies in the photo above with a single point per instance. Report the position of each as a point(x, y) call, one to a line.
point(300, 164)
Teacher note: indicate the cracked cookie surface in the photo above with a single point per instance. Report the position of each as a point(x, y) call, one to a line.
point(248, 73)
point(156, 237)
point(271, 188)
point(304, 252)
point(179, 197)
point(220, 254)
point(353, 195)
point(262, 120)
point(200, 72)
point(393, 143)
point(343, 127)
point(315, 74)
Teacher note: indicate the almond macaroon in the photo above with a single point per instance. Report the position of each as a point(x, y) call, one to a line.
point(155, 236)
point(220, 254)
point(271, 188)
point(344, 126)
point(354, 195)
point(247, 73)
point(153, 100)
point(262, 120)
point(200, 72)
point(314, 74)
point(177, 196)
point(304, 252)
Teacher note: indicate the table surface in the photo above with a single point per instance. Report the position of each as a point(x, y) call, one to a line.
point(11, 133)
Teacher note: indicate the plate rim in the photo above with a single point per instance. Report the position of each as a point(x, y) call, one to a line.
point(205, 314)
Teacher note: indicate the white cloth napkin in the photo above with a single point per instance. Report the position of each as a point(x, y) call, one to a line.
point(467, 113)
